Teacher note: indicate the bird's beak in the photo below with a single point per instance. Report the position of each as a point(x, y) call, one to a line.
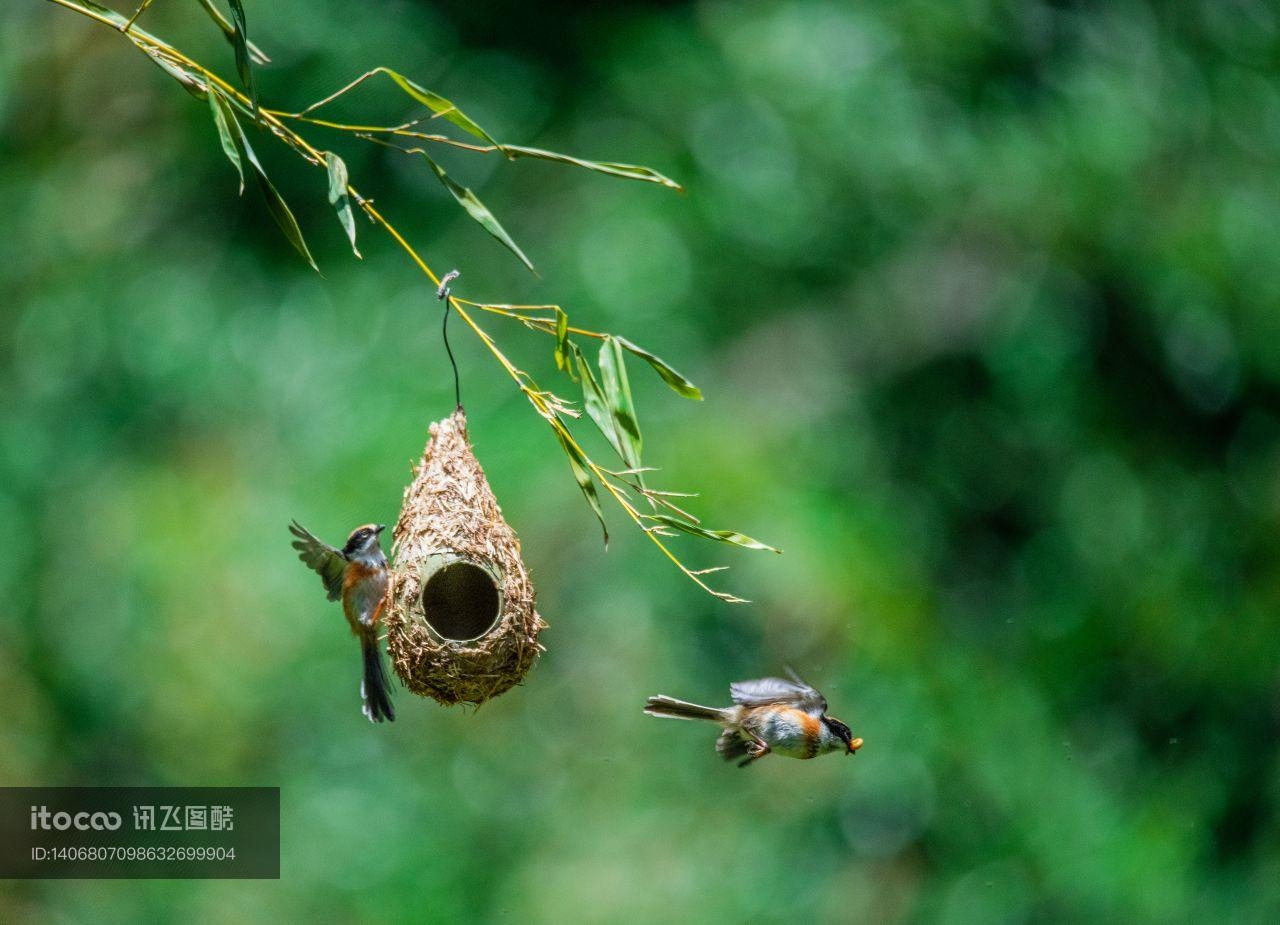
point(854, 745)
point(381, 527)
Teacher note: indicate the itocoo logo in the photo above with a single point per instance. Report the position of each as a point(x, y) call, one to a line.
point(42, 819)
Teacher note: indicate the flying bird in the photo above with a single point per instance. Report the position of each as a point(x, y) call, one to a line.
point(769, 715)
point(356, 574)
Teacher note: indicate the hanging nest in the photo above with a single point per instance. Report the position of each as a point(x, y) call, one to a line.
point(461, 626)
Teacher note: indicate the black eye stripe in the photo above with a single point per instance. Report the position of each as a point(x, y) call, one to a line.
point(357, 539)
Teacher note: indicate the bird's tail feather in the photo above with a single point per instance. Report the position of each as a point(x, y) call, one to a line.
point(375, 688)
point(680, 709)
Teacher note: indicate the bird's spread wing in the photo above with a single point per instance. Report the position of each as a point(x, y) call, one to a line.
point(777, 690)
point(319, 556)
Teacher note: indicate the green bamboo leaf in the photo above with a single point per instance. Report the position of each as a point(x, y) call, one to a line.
point(672, 378)
point(284, 217)
point(192, 84)
point(224, 117)
point(110, 15)
point(583, 477)
point(602, 409)
point(276, 205)
point(440, 106)
point(477, 210)
point(721, 536)
point(627, 171)
point(338, 197)
point(594, 401)
point(229, 31)
point(617, 390)
point(563, 361)
point(240, 42)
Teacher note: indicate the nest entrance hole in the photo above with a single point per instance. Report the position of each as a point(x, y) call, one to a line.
point(460, 601)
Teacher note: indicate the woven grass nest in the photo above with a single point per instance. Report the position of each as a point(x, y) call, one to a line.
point(461, 625)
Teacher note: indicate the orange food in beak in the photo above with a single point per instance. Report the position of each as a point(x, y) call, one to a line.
point(854, 745)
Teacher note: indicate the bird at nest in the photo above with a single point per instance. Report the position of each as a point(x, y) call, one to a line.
point(356, 574)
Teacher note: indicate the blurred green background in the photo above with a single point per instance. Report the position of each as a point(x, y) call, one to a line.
point(985, 300)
